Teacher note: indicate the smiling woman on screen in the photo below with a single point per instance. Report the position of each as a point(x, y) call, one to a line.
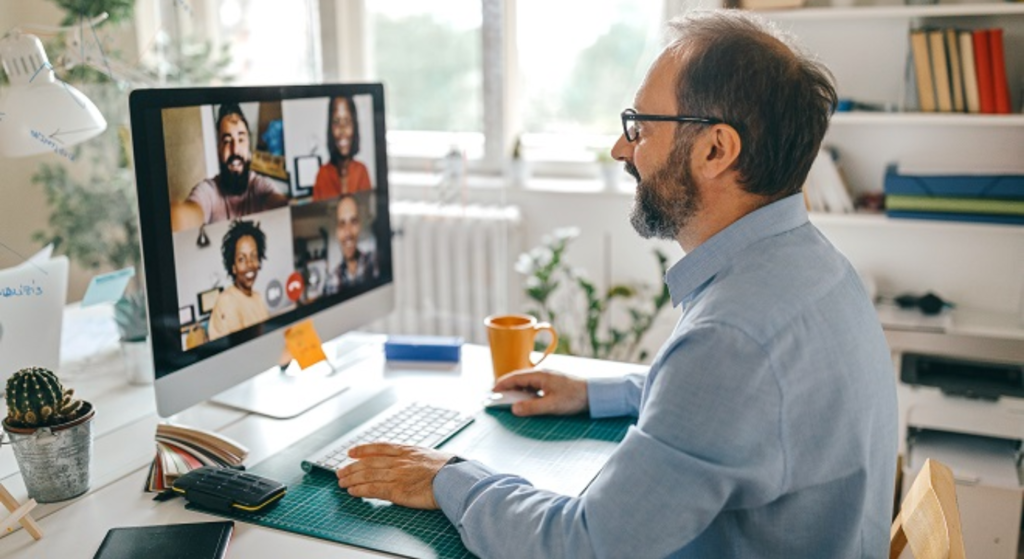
point(343, 174)
point(239, 306)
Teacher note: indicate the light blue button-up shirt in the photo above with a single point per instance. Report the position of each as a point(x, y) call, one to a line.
point(766, 424)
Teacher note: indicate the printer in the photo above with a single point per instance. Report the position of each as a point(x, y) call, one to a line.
point(962, 403)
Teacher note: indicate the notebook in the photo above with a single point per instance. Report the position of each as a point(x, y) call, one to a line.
point(203, 540)
point(32, 297)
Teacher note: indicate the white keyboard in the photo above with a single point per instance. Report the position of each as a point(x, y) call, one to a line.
point(415, 424)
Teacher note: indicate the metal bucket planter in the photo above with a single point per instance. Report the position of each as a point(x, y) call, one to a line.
point(54, 461)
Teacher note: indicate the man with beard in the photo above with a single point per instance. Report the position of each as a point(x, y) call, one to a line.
point(237, 191)
point(767, 422)
point(239, 306)
point(356, 266)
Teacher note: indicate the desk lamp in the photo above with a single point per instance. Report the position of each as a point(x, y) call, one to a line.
point(38, 110)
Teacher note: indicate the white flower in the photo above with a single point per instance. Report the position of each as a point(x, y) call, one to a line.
point(532, 282)
point(524, 265)
point(546, 240)
point(542, 256)
point(566, 233)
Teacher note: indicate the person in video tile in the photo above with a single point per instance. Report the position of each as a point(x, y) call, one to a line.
point(239, 306)
point(343, 174)
point(236, 191)
point(356, 266)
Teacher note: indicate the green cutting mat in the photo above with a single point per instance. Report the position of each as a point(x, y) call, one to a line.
point(561, 454)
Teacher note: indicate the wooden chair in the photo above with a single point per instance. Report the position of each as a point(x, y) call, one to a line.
point(929, 519)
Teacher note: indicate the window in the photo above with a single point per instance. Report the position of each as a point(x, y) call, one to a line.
point(270, 42)
point(428, 55)
point(583, 84)
point(261, 41)
point(570, 96)
point(480, 74)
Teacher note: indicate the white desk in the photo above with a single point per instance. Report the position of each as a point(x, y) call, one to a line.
point(123, 447)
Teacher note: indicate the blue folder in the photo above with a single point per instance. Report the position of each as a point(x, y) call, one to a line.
point(1006, 187)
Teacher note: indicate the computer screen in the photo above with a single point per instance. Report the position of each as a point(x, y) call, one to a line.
point(259, 208)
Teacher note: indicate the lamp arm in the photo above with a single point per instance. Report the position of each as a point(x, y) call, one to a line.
point(51, 30)
point(121, 72)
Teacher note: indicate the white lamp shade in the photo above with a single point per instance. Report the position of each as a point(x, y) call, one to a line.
point(39, 112)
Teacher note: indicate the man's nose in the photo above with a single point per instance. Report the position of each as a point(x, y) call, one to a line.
point(623, 149)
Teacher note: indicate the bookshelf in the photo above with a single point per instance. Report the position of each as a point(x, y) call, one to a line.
point(978, 266)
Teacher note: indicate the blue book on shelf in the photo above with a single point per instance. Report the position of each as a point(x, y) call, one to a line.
point(973, 218)
point(1004, 187)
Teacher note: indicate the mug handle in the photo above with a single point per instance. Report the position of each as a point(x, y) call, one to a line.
point(551, 346)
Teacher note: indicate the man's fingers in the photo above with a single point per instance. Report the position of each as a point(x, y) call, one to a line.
point(532, 379)
point(372, 491)
point(537, 406)
point(377, 449)
point(369, 475)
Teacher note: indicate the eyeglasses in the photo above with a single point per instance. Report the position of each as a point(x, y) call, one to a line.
point(630, 117)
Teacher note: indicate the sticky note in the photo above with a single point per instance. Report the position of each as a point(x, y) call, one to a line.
point(107, 288)
point(304, 344)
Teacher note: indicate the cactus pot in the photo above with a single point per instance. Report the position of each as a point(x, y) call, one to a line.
point(54, 461)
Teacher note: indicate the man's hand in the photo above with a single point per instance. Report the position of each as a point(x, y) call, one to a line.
point(401, 474)
point(563, 394)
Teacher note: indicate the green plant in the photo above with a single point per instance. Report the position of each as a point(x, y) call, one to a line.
point(36, 398)
point(555, 288)
point(130, 316)
point(517, 149)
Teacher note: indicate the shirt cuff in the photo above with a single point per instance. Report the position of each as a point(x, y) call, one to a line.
point(453, 484)
point(607, 397)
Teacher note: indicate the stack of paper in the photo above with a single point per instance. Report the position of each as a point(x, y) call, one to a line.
point(181, 449)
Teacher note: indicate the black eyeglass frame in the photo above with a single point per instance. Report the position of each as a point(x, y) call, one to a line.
point(630, 115)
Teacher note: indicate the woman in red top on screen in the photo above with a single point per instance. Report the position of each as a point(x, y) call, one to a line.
point(343, 174)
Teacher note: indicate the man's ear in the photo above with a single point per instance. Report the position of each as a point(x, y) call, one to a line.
point(717, 151)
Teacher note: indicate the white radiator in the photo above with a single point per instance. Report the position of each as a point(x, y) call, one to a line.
point(453, 267)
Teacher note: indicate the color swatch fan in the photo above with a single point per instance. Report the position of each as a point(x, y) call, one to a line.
point(181, 449)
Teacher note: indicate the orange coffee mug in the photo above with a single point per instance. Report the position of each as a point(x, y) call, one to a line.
point(511, 337)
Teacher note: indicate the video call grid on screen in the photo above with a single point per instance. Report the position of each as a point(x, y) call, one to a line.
point(276, 208)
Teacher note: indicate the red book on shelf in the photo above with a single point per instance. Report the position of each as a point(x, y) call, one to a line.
point(999, 84)
point(983, 66)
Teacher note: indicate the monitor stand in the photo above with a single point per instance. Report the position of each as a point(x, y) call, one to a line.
point(285, 393)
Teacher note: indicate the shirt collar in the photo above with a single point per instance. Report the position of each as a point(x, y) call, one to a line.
point(705, 261)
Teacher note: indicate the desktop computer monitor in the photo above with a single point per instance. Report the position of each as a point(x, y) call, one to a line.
point(259, 208)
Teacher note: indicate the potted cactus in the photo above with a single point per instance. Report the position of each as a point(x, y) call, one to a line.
point(130, 315)
point(51, 432)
